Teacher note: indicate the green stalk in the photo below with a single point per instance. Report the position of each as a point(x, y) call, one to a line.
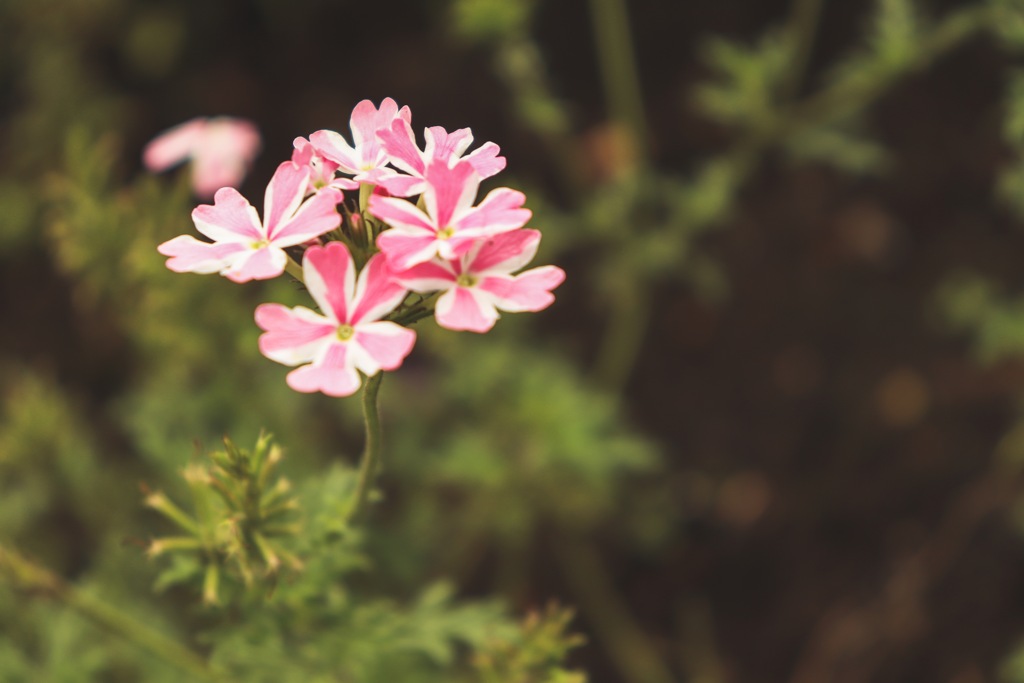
point(370, 462)
point(625, 643)
point(619, 72)
point(803, 25)
point(293, 269)
point(31, 577)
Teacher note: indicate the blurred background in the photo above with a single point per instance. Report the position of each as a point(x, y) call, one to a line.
point(771, 430)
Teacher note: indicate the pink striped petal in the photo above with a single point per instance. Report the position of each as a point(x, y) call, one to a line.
point(504, 253)
point(330, 277)
point(229, 219)
point(403, 185)
point(485, 160)
point(292, 336)
point(332, 374)
point(366, 120)
point(498, 212)
point(318, 215)
point(174, 145)
point(385, 343)
point(257, 264)
point(457, 246)
point(450, 191)
point(404, 250)
point(400, 145)
point(401, 214)
point(284, 194)
point(426, 277)
point(529, 291)
point(189, 255)
point(331, 145)
point(377, 293)
point(445, 146)
point(463, 309)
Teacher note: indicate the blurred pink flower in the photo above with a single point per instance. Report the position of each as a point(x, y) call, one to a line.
point(221, 150)
point(349, 336)
point(480, 283)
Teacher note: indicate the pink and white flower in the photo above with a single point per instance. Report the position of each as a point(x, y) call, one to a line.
point(480, 283)
point(400, 144)
point(245, 249)
point(365, 159)
point(321, 171)
point(348, 337)
point(221, 149)
point(451, 224)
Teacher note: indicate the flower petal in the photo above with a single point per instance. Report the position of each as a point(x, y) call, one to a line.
point(333, 146)
point(401, 214)
point(189, 255)
point(400, 145)
point(386, 344)
point(403, 185)
point(332, 373)
point(462, 308)
point(426, 277)
point(445, 146)
point(292, 336)
point(257, 264)
point(503, 253)
point(450, 192)
point(229, 219)
point(500, 211)
point(405, 250)
point(284, 194)
point(377, 293)
point(318, 215)
point(485, 160)
point(529, 291)
point(330, 277)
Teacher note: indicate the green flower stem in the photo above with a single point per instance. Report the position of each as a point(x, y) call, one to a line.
point(627, 646)
point(619, 71)
point(803, 25)
point(370, 462)
point(293, 269)
point(28, 576)
point(624, 336)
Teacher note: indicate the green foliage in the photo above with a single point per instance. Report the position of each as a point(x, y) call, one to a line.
point(239, 516)
point(995, 323)
point(1008, 22)
point(536, 654)
point(520, 443)
point(487, 20)
point(838, 145)
point(49, 464)
point(748, 78)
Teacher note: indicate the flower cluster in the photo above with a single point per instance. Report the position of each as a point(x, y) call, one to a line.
point(415, 243)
